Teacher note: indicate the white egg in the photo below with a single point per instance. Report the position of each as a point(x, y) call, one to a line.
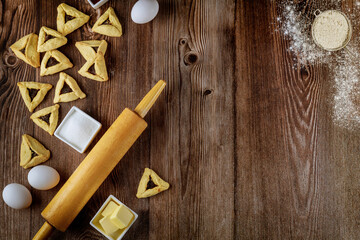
point(144, 11)
point(17, 196)
point(43, 177)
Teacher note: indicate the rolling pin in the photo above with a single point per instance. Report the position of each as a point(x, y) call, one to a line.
point(97, 165)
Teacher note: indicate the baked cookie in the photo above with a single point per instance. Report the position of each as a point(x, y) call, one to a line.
point(32, 152)
point(65, 26)
point(70, 96)
point(31, 56)
point(42, 89)
point(55, 41)
point(144, 190)
point(108, 24)
point(93, 59)
point(53, 115)
point(62, 63)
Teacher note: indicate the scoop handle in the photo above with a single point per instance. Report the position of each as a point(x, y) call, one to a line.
point(44, 232)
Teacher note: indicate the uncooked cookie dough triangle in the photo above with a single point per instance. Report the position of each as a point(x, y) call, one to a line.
point(97, 59)
point(32, 152)
point(112, 29)
point(66, 27)
point(148, 175)
point(31, 56)
point(71, 96)
point(42, 88)
point(53, 118)
point(57, 41)
point(63, 63)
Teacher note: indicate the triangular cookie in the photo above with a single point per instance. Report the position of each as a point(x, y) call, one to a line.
point(93, 58)
point(24, 88)
point(31, 56)
point(53, 118)
point(111, 28)
point(150, 175)
point(87, 48)
point(100, 70)
point(63, 63)
point(71, 96)
point(32, 152)
point(66, 27)
point(53, 43)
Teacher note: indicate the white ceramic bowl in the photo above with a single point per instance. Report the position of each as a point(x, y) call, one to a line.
point(98, 4)
point(95, 221)
point(88, 130)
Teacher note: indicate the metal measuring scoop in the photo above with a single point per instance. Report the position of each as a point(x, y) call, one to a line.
point(317, 14)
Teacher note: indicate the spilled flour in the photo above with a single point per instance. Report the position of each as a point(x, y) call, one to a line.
point(343, 65)
point(347, 91)
point(297, 29)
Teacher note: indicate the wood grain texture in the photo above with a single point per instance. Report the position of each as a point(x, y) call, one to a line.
point(291, 173)
point(245, 139)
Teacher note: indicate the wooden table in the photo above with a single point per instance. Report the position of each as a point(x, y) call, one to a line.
point(247, 142)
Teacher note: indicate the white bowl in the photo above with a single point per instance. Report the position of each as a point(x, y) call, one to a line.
point(98, 4)
point(80, 126)
point(95, 221)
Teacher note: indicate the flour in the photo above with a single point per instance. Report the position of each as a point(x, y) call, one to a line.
point(331, 30)
point(343, 65)
point(297, 29)
point(347, 91)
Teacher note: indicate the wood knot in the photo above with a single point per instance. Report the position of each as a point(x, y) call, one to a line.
point(191, 58)
point(10, 59)
point(208, 92)
point(182, 41)
point(304, 72)
point(87, 32)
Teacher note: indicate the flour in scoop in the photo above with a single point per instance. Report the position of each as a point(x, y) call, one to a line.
point(296, 25)
point(331, 30)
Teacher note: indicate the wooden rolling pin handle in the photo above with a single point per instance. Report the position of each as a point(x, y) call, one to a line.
point(148, 101)
point(44, 232)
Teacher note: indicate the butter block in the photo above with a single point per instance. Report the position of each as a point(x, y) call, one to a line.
point(119, 233)
point(109, 209)
point(108, 226)
point(121, 217)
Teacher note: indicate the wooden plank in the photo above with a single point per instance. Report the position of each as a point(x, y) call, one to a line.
point(12, 125)
point(192, 145)
point(259, 148)
point(292, 180)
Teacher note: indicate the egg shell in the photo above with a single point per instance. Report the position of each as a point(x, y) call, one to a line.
point(144, 11)
point(17, 196)
point(43, 177)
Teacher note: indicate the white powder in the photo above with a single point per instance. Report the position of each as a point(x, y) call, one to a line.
point(78, 130)
point(343, 67)
point(331, 30)
point(347, 91)
point(297, 29)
